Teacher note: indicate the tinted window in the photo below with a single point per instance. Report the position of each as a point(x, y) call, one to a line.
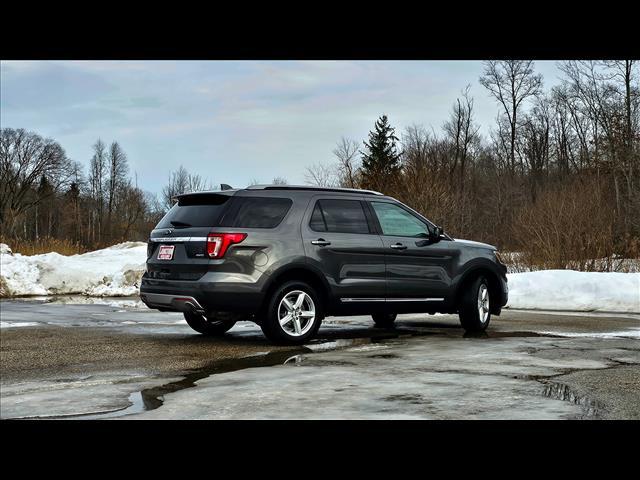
point(317, 219)
point(257, 212)
point(396, 221)
point(339, 216)
point(195, 211)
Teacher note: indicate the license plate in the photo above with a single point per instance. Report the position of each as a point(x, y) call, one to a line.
point(166, 252)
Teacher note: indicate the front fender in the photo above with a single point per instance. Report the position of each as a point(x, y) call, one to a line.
point(473, 267)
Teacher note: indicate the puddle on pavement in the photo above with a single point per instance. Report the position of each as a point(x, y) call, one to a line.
point(153, 398)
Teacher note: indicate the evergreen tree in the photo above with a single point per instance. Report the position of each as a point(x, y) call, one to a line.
point(381, 160)
point(44, 207)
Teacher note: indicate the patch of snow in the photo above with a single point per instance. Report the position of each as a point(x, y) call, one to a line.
point(577, 291)
point(113, 271)
point(6, 324)
point(631, 333)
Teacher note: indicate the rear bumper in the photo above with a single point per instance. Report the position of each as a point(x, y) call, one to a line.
point(179, 303)
point(201, 296)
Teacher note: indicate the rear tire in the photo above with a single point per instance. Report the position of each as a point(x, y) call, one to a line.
point(474, 308)
point(209, 326)
point(293, 314)
point(384, 320)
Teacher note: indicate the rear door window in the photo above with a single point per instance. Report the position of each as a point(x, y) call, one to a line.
point(339, 216)
point(257, 212)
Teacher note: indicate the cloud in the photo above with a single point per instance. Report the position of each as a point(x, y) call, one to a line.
point(231, 120)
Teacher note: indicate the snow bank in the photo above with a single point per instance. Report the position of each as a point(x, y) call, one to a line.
point(578, 291)
point(113, 271)
point(116, 271)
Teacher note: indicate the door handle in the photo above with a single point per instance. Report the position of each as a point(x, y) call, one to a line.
point(321, 242)
point(398, 246)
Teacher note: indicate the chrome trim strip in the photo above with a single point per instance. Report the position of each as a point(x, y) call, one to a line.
point(178, 239)
point(415, 299)
point(350, 300)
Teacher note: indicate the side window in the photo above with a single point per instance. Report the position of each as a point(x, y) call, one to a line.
point(396, 221)
point(339, 216)
point(257, 212)
point(317, 219)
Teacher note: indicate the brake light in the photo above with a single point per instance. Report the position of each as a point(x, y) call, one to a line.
point(218, 243)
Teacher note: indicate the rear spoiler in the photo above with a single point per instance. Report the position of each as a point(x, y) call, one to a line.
point(225, 190)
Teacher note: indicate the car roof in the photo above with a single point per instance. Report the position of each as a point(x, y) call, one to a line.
point(290, 188)
point(313, 188)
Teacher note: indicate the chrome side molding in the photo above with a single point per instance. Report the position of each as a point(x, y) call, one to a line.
point(352, 300)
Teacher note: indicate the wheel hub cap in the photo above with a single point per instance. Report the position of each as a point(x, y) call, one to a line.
point(483, 303)
point(296, 313)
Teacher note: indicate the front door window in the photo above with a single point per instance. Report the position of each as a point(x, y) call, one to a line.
point(396, 221)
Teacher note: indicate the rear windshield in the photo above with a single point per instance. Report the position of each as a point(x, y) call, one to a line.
point(226, 211)
point(195, 211)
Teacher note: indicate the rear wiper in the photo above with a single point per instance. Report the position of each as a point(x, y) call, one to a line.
point(178, 223)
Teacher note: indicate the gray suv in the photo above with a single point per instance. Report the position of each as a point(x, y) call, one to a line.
point(287, 256)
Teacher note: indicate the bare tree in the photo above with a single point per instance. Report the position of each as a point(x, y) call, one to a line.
point(536, 128)
point(462, 133)
point(511, 82)
point(321, 175)
point(118, 171)
point(347, 153)
point(25, 158)
point(97, 174)
point(181, 181)
point(604, 100)
point(279, 181)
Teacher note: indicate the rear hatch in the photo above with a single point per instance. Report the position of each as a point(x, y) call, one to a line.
point(177, 248)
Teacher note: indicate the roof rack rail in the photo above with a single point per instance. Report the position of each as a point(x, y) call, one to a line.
point(313, 188)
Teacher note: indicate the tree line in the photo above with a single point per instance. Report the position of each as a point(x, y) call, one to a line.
point(44, 194)
point(47, 201)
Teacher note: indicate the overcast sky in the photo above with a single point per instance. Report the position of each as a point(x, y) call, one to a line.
point(232, 121)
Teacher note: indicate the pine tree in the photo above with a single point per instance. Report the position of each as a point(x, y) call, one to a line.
point(381, 160)
point(44, 208)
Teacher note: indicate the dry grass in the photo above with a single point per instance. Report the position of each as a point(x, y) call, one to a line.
point(44, 245)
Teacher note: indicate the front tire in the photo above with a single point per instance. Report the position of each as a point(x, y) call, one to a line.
point(210, 326)
point(384, 320)
point(293, 315)
point(474, 309)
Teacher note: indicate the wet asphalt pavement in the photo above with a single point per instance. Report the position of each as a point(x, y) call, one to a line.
point(75, 358)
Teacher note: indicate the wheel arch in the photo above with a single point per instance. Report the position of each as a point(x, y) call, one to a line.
point(302, 272)
point(471, 274)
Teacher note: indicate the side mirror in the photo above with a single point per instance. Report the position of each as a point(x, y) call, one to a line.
point(436, 234)
point(434, 237)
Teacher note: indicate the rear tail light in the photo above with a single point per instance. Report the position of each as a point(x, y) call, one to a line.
point(217, 243)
